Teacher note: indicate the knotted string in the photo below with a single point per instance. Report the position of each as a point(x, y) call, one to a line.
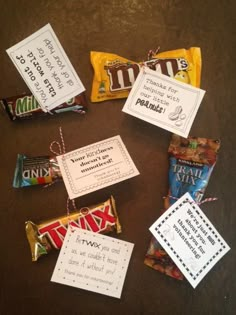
point(152, 53)
point(61, 147)
point(198, 203)
point(62, 150)
point(70, 226)
point(68, 205)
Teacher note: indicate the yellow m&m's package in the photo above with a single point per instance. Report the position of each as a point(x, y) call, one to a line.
point(114, 76)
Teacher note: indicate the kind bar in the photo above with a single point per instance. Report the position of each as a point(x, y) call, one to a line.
point(26, 106)
point(114, 76)
point(35, 171)
point(191, 163)
point(48, 235)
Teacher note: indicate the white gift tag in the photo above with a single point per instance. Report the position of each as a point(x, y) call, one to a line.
point(96, 166)
point(93, 262)
point(46, 69)
point(164, 101)
point(190, 239)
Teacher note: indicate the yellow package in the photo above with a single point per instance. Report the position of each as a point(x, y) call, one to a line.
point(114, 76)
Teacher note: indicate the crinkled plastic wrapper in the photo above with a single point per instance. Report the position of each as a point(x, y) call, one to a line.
point(48, 235)
point(191, 164)
point(38, 170)
point(25, 106)
point(114, 76)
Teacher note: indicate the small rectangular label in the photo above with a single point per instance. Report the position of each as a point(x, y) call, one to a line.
point(164, 101)
point(96, 166)
point(93, 262)
point(190, 239)
point(46, 69)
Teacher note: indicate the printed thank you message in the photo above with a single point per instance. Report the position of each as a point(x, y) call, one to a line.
point(96, 166)
point(93, 262)
point(46, 69)
point(164, 101)
point(189, 238)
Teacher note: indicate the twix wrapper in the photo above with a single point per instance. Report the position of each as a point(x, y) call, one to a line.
point(48, 235)
point(26, 106)
point(114, 76)
point(191, 162)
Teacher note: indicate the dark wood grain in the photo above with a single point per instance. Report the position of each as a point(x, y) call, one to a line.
point(128, 28)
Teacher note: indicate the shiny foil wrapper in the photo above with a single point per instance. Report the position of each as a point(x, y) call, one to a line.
point(48, 235)
point(191, 162)
point(25, 106)
point(115, 75)
point(38, 170)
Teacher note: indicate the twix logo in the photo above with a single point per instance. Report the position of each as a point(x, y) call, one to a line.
point(123, 75)
point(95, 220)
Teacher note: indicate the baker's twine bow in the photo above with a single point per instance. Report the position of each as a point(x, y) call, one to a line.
point(61, 146)
point(152, 53)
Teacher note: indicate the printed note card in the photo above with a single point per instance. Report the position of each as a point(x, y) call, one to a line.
point(96, 166)
point(164, 101)
point(46, 69)
point(190, 239)
point(93, 262)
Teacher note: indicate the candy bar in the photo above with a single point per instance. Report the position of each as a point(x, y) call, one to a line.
point(48, 235)
point(26, 106)
point(35, 171)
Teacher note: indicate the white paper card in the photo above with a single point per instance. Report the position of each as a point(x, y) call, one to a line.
point(96, 166)
point(189, 238)
point(93, 262)
point(46, 69)
point(164, 101)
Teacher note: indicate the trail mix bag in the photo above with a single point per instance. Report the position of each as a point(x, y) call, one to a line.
point(191, 162)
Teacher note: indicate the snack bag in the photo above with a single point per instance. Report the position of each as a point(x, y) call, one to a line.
point(114, 76)
point(191, 164)
point(40, 170)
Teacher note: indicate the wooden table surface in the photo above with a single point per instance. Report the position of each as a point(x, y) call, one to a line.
point(129, 28)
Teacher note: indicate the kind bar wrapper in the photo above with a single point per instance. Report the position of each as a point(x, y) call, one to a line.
point(39, 170)
point(48, 235)
point(191, 162)
point(25, 106)
point(114, 76)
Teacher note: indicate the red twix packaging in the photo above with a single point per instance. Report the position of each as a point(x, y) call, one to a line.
point(100, 218)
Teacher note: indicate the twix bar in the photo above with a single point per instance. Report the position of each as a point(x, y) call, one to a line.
point(48, 235)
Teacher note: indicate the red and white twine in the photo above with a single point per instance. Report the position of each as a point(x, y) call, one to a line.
point(210, 199)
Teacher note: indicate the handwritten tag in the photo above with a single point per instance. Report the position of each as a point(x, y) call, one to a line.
point(164, 102)
point(93, 262)
point(190, 239)
point(46, 69)
point(96, 166)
